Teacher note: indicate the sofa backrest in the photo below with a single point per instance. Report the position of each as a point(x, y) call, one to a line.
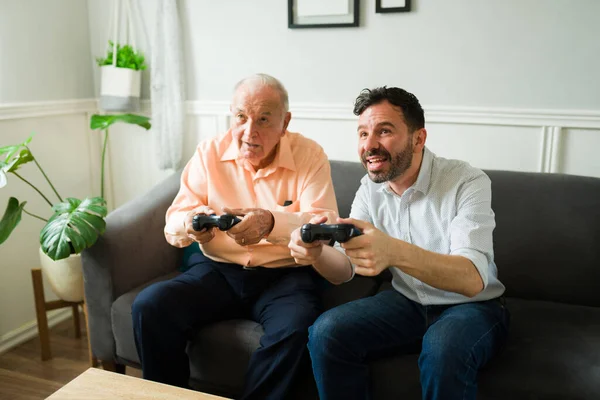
point(346, 177)
point(547, 236)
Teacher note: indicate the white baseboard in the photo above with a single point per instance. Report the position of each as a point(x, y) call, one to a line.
point(29, 330)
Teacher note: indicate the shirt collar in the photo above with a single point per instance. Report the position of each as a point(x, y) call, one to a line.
point(423, 179)
point(232, 150)
point(283, 157)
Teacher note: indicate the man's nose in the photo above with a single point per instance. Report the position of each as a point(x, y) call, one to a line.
point(370, 143)
point(250, 129)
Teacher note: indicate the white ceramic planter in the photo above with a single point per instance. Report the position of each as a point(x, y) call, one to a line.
point(120, 88)
point(65, 276)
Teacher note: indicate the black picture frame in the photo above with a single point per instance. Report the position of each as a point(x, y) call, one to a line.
point(380, 9)
point(348, 21)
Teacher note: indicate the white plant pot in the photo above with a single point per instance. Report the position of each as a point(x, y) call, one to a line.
point(120, 88)
point(65, 276)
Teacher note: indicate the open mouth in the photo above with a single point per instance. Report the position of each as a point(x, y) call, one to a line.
point(375, 163)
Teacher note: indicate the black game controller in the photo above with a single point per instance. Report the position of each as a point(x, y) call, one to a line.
point(223, 222)
point(335, 232)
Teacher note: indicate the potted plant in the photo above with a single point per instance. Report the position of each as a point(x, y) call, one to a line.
point(120, 77)
point(73, 225)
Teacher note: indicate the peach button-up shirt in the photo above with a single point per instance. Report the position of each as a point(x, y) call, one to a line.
point(217, 176)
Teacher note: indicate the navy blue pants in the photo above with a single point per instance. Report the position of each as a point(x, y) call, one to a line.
point(454, 342)
point(285, 301)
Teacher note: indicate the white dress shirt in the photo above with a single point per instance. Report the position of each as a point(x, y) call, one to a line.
point(447, 211)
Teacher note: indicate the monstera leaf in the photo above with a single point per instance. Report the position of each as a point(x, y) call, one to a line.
point(75, 226)
point(13, 158)
point(105, 121)
point(11, 218)
point(23, 157)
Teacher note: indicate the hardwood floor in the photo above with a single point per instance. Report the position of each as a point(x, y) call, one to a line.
point(24, 376)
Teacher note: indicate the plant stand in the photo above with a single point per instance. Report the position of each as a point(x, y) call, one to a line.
point(42, 306)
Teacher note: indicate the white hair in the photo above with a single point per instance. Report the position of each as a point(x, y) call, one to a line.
point(269, 81)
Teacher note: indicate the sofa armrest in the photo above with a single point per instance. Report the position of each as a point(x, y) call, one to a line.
point(132, 251)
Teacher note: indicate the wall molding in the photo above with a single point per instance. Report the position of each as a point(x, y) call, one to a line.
point(563, 118)
point(47, 108)
point(30, 330)
point(550, 147)
point(583, 119)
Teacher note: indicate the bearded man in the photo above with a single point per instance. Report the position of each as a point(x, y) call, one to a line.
point(429, 221)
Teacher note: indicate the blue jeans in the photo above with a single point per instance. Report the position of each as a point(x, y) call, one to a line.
point(455, 342)
point(285, 301)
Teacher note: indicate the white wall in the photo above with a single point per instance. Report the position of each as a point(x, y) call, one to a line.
point(44, 51)
point(45, 63)
point(505, 85)
point(515, 53)
point(511, 53)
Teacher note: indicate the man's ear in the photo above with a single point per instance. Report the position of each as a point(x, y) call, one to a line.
point(286, 122)
point(419, 139)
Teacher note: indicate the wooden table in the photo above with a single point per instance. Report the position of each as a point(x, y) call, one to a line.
point(97, 384)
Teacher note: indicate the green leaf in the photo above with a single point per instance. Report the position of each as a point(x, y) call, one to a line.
point(66, 206)
point(9, 150)
point(126, 56)
point(11, 218)
point(105, 121)
point(76, 224)
point(26, 142)
point(23, 157)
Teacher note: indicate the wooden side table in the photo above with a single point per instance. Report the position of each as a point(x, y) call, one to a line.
point(42, 306)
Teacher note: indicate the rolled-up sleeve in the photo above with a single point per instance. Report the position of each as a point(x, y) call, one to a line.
point(471, 230)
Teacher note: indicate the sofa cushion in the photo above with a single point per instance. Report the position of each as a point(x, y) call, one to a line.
point(220, 352)
point(547, 235)
point(122, 323)
point(552, 353)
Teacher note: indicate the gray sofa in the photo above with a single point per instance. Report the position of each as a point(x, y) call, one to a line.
point(547, 248)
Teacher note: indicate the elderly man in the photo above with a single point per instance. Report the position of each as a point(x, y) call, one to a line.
point(429, 220)
point(274, 181)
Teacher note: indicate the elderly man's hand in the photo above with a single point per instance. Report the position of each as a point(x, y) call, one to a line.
point(256, 225)
point(306, 253)
point(206, 234)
